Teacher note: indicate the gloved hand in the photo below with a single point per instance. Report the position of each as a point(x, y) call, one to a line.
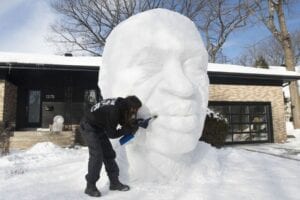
point(131, 127)
point(145, 122)
point(134, 127)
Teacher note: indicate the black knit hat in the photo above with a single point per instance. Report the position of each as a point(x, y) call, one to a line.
point(124, 105)
point(133, 102)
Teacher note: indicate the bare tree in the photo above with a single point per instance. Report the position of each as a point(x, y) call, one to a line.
point(272, 14)
point(219, 19)
point(270, 49)
point(85, 24)
point(296, 42)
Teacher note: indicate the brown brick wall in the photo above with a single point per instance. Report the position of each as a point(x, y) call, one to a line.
point(10, 102)
point(2, 89)
point(252, 93)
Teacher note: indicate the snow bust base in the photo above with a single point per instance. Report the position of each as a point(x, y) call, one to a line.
point(159, 56)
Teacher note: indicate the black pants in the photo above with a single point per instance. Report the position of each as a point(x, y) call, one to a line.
point(100, 151)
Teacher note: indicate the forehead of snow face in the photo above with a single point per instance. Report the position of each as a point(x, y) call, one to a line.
point(159, 56)
point(149, 34)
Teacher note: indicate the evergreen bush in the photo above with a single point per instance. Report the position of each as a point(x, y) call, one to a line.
point(215, 129)
point(261, 63)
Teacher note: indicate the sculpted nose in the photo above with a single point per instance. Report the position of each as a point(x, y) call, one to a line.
point(176, 81)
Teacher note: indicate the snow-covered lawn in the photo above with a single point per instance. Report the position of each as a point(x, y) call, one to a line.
point(289, 150)
point(49, 172)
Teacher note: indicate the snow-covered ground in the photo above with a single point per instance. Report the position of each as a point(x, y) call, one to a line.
point(288, 150)
point(49, 172)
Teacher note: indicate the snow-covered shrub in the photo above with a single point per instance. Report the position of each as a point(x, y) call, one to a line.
point(215, 129)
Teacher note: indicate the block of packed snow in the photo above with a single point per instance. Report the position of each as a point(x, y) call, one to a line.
point(159, 56)
point(58, 123)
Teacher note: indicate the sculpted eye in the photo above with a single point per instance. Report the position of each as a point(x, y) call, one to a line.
point(193, 65)
point(194, 70)
point(150, 67)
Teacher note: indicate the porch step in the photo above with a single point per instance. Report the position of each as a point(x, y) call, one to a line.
point(27, 139)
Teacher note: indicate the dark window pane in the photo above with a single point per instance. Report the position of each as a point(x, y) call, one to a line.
point(245, 127)
point(77, 94)
point(259, 128)
point(259, 136)
point(258, 109)
point(236, 128)
point(235, 118)
point(239, 109)
point(34, 106)
point(229, 127)
point(240, 118)
point(90, 96)
point(258, 118)
point(228, 138)
point(53, 94)
point(241, 137)
point(241, 128)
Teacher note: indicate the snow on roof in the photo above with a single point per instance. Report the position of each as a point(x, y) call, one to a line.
point(238, 69)
point(95, 61)
point(298, 68)
point(25, 58)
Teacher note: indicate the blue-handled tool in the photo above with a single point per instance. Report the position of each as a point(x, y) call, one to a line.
point(141, 123)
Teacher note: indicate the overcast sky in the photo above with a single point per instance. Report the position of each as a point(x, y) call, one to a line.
point(24, 27)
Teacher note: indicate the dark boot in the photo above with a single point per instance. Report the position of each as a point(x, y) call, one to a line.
point(115, 184)
point(92, 190)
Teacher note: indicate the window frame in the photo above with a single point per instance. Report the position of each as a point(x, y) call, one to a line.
point(267, 121)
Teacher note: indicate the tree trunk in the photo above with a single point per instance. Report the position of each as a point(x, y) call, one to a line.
point(295, 100)
point(290, 64)
point(286, 43)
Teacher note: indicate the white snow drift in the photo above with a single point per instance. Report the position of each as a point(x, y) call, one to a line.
point(49, 172)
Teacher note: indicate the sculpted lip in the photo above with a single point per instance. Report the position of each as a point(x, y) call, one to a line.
point(178, 123)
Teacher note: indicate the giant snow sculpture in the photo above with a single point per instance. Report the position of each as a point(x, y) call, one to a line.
point(159, 56)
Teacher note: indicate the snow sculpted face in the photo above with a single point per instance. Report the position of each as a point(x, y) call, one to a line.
point(158, 55)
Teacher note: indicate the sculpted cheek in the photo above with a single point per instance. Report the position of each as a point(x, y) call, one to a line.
point(186, 125)
point(170, 142)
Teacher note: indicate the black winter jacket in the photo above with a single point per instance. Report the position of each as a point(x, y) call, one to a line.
point(106, 115)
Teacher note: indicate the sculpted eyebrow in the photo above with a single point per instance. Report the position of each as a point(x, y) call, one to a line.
point(146, 56)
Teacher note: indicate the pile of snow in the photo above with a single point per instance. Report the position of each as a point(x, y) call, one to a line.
point(212, 174)
point(44, 148)
point(41, 155)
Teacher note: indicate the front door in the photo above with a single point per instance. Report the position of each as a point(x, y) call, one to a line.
point(33, 108)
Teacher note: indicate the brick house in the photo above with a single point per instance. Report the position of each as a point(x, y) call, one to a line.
point(35, 88)
point(252, 101)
